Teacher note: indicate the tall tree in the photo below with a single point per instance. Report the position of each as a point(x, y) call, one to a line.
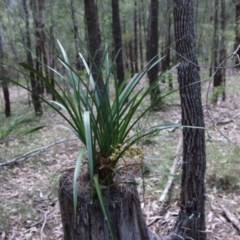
point(135, 46)
point(166, 62)
point(34, 83)
point(141, 22)
point(94, 40)
point(76, 35)
point(117, 37)
point(237, 30)
point(52, 49)
point(219, 51)
point(191, 219)
point(152, 52)
point(223, 50)
point(3, 77)
point(37, 7)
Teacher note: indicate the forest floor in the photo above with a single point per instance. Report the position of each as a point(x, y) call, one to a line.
point(28, 189)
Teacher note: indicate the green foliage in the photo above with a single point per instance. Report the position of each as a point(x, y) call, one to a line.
point(103, 118)
point(7, 130)
point(102, 123)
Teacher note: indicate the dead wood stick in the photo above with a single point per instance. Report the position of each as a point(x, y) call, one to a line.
point(33, 152)
point(230, 217)
point(171, 176)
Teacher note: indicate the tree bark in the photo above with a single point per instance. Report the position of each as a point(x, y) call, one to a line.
point(6, 96)
point(135, 23)
point(123, 207)
point(166, 62)
point(3, 78)
point(237, 31)
point(35, 88)
point(223, 51)
point(37, 11)
point(191, 219)
point(117, 37)
point(94, 41)
point(140, 34)
point(152, 53)
point(131, 56)
point(76, 36)
point(219, 52)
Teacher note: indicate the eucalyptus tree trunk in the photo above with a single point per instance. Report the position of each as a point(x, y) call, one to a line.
point(135, 23)
point(166, 62)
point(35, 88)
point(223, 50)
point(131, 56)
point(76, 35)
point(52, 49)
point(94, 40)
point(237, 32)
point(3, 78)
point(117, 37)
point(219, 52)
point(152, 53)
point(37, 7)
point(215, 44)
point(191, 220)
point(141, 34)
point(6, 95)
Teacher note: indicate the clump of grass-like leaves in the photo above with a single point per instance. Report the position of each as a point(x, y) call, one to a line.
point(102, 119)
point(13, 125)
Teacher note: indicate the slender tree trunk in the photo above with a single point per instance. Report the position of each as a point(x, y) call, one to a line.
point(223, 51)
point(152, 53)
point(166, 62)
point(216, 60)
point(34, 83)
point(219, 52)
point(140, 35)
point(76, 36)
point(94, 40)
point(117, 37)
point(144, 23)
point(37, 10)
point(35, 88)
point(3, 78)
point(135, 21)
point(191, 219)
point(131, 56)
point(237, 31)
point(6, 96)
point(126, 61)
point(52, 57)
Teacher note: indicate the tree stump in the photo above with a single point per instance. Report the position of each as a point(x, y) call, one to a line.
point(123, 205)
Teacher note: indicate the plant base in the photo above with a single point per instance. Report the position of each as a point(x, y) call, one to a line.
point(122, 202)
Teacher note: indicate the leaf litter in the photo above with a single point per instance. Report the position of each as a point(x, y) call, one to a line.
point(28, 201)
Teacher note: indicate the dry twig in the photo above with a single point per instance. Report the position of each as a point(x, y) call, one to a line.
point(33, 152)
point(230, 217)
point(171, 177)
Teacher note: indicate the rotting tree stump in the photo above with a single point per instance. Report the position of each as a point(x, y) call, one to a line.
point(123, 205)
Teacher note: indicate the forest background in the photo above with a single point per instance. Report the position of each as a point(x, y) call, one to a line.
point(29, 202)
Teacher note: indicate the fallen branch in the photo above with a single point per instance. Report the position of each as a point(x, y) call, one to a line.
point(230, 217)
point(34, 152)
point(171, 176)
